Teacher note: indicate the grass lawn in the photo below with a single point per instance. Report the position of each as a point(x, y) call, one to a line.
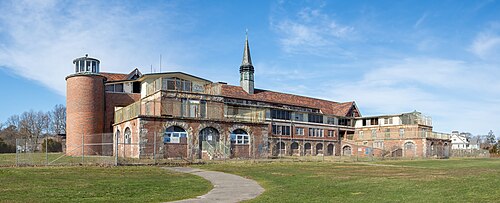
point(98, 184)
point(454, 180)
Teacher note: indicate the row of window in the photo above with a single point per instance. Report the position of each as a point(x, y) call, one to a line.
point(114, 87)
point(86, 66)
point(313, 132)
point(176, 84)
point(313, 118)
point(176, 134)
point(374, 121)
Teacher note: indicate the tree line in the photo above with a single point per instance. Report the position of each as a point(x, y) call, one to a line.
point(487, 142)
point(32, 125)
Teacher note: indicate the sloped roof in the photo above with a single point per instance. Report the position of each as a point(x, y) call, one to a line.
point(114, 76)
point(326, 107)
point(111, 77)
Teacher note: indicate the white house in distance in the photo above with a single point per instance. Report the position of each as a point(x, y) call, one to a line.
point(460, 141)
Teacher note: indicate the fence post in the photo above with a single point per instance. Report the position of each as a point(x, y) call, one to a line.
point(154, 149)
point(46, 151)
point(17, 152)
point(83, 147)
point(116, 150)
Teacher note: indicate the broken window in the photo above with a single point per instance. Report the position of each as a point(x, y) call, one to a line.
point(281, 129)
point(280, 114)
point(315, 118)
point(174, 134)
point(331, 133)
point(315, 132)
point(176, 84)
point(193, 108)
point(299, 117)
point(345, 122)
point(387, 133)
point(239, 136)
point(127, 136)
point(299, 131)
point(114, 87)
point(374, 133)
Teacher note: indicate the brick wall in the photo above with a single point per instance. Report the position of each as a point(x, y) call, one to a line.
point(84, 113)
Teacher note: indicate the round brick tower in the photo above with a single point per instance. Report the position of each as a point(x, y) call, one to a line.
point(84, 108)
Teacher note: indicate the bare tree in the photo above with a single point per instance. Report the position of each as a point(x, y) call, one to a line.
point(58, 120)
point(33, 125)
point(13, 120)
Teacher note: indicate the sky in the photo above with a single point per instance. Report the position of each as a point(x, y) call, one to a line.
point(441, 58)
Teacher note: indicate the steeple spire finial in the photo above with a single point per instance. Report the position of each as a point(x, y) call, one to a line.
point(247, 60)
point(246, 69)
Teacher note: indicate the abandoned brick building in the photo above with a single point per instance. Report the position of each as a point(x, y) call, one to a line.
point(178, 115)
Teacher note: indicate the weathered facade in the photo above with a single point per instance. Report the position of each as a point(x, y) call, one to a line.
point(178, 115)
point(407, 135)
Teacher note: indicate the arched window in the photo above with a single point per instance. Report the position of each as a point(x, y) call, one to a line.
point(173, 134)
point(127, 136)
point(409, 146)
point(319, 148)
point(240, 136)
point(346, 150)
point(307, 146)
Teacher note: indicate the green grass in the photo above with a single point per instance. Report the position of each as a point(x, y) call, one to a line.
point(98, 184)
point(456, 180)
point(40, 159)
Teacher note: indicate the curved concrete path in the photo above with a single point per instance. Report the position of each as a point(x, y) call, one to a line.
point(227, 187)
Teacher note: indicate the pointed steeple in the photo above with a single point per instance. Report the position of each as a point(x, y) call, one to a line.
point(247, 60)
point(246, 69)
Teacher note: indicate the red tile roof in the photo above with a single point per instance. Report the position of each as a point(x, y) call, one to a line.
point(114, 76)
point(326, 107)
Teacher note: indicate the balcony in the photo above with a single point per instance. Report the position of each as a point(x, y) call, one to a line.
point(185, 108)
point(395, 135)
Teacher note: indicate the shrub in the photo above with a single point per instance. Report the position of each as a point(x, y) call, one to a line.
point(52, 146)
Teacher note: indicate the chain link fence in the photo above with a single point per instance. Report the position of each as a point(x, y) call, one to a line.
point(152, 148)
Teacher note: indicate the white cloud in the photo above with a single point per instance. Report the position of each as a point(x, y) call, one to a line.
point(458, 95)
point(420, 20)
point(311, 31)
point(486, 45)
point(40, 39)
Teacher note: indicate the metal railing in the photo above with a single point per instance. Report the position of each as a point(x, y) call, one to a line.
point(396, 134)
point(178, 108)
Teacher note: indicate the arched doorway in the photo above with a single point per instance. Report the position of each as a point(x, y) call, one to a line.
point(409, 149)
point(279, 149)
point(319, 149)
point(175, 142)
point(295, 149)
point(240, 144)
point(346, 150)
point(268, 148)
point(209, 143)
point(432, 149)
point(330, 149)
point(446, 150)
point(307, 149)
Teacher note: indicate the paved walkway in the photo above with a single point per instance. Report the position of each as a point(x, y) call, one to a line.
point(227, 187)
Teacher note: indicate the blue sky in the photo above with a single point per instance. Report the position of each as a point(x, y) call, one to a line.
point(437, 57)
